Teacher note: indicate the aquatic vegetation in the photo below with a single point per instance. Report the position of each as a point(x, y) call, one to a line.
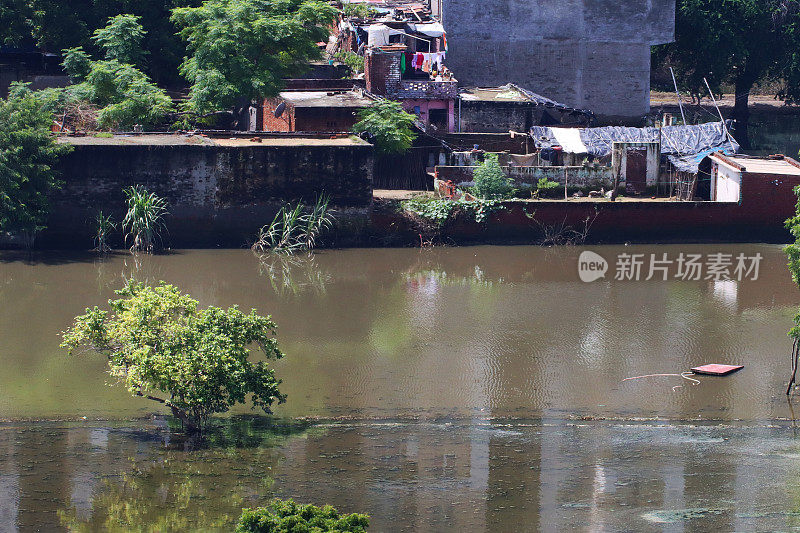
point(144, 221)
point(103, 226)
point(295, 228)
point(284, 516)
point(157, 340)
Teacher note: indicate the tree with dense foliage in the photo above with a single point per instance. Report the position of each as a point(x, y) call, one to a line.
point(54, 25)
point(121, 39)
point(288, 517)
point(491, 182)
point(28, 155)
point(157, 340)
point(793, 254)
point(119, 94)
point(739, 42)
point(240, 50)
point(388, 126)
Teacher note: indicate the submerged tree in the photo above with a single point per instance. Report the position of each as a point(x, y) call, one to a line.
point(388, 125)
point(241, 50)
point(28, 155)
point(157, 340)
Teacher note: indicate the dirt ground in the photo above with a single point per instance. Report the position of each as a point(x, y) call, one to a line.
point(760, 102)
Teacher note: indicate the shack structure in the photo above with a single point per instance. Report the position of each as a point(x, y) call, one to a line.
point(729, 172)
point(513, 108)
point(314, 111)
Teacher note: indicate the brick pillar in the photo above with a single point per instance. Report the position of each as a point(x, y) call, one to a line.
point(382, 72)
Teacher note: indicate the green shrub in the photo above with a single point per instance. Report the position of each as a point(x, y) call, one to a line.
point(289, 517)
point(490, 180)
point(358, 10)
point(353, 61)
point(389, 127)
point(440, 210)
point(28, 156)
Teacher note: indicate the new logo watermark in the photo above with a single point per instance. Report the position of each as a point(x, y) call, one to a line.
point(683, 266)
point(591, 266)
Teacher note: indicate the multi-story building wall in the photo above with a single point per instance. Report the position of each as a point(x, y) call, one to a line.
point(588, 54)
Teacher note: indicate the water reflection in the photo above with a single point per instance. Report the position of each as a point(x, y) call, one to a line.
point(443, 475)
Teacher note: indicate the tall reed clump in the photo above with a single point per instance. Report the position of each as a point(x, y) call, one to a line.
point(104, 225)
point(144, 221)
point(295, 228)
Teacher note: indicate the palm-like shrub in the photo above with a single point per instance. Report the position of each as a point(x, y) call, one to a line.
point(295, 228)
point(144, 221)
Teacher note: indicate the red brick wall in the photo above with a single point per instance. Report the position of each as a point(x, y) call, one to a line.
point(283, 123)
point(382, 72)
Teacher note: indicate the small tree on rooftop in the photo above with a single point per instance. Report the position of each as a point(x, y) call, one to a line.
point(388, 125)
point(490, 180)
point(28, 156)
point(162, 347)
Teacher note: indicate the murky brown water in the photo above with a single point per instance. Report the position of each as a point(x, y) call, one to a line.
point(455, 388)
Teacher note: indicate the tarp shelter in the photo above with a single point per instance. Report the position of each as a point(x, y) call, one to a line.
point(378, 34)
point(685, 146)
point(431, 29)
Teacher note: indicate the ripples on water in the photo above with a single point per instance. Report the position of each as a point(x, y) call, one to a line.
point(427, 351)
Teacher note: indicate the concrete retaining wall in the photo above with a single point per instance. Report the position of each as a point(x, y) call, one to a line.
point(218, 195)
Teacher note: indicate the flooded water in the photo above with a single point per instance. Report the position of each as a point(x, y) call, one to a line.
point(476, 389)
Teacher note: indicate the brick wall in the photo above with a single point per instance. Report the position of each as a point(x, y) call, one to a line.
point(382, 72)
point(272, 123)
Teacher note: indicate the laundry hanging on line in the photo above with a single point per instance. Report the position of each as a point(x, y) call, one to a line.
point(425, 61)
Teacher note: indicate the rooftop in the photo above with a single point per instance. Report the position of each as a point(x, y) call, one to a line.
point(764, 165)
point(165, 139)
point(326, 99)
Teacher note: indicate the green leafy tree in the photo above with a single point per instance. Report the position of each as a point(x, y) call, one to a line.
point(28, 155)
point(124, 95)
point(121, 39)
point(739, 42)
point(490, 180)
point(388, 125)
point(289, 517)
point(162, 347)
point(240, 50)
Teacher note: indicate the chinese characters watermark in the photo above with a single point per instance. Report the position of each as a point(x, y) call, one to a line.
point(663, 266)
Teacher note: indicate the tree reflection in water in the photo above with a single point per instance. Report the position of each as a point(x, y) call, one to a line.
point(292, 274)
point(204, 489)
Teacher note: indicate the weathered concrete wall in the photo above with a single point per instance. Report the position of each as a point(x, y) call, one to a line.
point(218, 195)
point(591, 54)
